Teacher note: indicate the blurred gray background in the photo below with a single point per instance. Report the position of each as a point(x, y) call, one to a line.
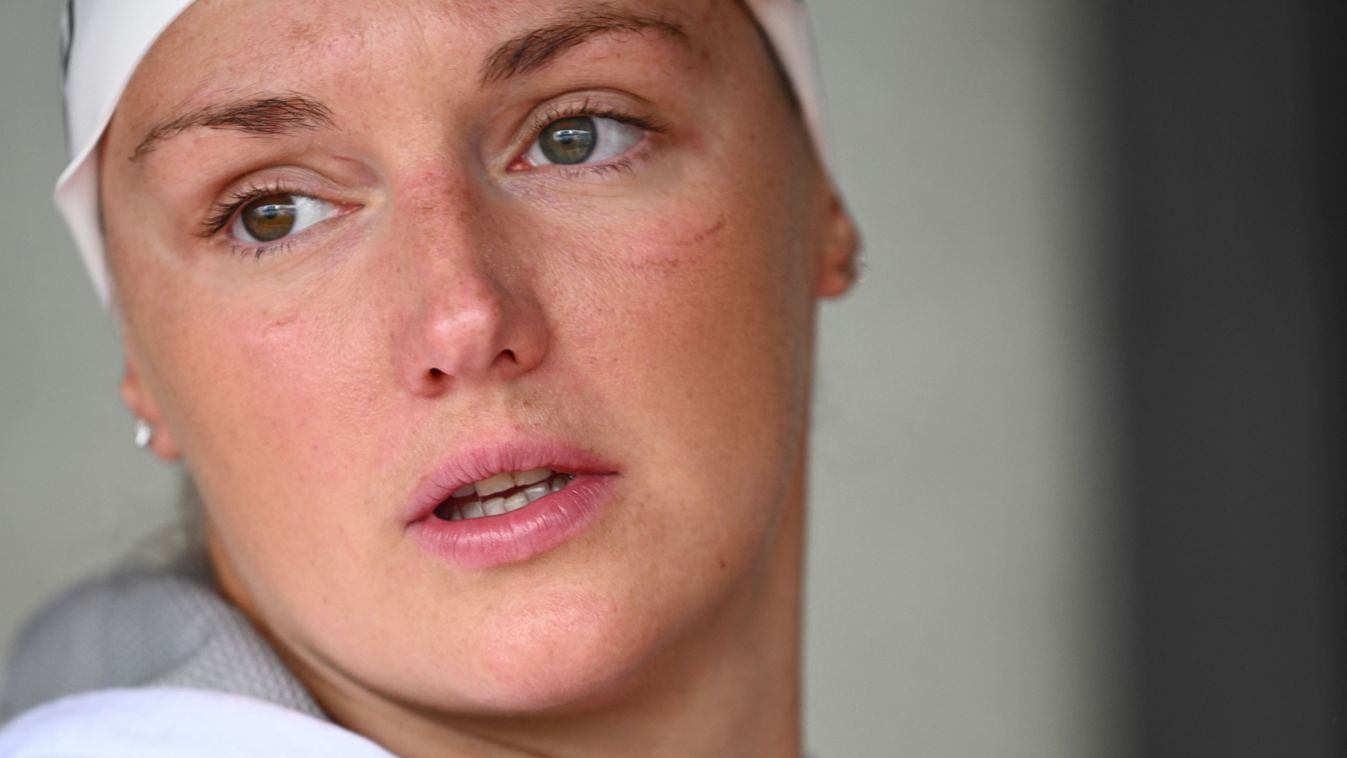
point(1033, 532)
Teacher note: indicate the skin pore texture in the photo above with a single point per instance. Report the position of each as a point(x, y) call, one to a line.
point(654, 309)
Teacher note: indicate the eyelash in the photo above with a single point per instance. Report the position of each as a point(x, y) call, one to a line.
point(224, 211)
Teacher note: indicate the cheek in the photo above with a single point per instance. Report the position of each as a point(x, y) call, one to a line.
point(279, 378)
point(708, 310)
point(701, 327)
point(269, 408)
point(661, 279)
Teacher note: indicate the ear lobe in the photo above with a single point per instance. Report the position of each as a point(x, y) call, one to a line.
point(141, 403)
point(841, 247)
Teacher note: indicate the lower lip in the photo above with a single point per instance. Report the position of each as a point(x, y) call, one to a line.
point(537, 528)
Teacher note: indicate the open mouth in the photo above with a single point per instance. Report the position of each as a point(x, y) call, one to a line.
point(501, 494)
point(533, 497)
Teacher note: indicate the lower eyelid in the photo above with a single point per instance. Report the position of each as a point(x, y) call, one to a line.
point(625, 161)
point(620, 166)
point(256, 253)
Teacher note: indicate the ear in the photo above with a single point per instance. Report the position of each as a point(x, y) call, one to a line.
point(841, 247)
point(141, 402)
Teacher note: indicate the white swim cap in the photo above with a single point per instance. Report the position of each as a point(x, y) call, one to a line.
point(104, 40)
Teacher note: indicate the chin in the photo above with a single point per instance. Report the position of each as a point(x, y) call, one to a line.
point(559, 651)
point(587, 636)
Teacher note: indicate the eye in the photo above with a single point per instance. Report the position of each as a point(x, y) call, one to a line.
point(582, 139)
point(278, 215)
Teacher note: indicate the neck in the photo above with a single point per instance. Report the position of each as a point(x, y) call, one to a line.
point(730, 687)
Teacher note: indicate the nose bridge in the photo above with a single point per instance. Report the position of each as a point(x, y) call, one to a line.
point(440, 249)
point(439, 215)
point(462, 320)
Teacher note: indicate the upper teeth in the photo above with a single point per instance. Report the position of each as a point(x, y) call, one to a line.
point(502, 482)
point(487, 501)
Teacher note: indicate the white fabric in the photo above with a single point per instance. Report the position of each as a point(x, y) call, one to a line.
point(107, 40)
point(110, 37)
point(173, 723)
point(786, 23)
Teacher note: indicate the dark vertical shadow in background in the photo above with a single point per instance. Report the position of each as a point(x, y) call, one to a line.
point(1227, 131)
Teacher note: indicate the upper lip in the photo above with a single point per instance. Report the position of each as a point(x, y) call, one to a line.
point(474, 463)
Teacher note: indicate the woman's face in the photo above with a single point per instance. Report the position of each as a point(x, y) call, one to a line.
point(369, 253)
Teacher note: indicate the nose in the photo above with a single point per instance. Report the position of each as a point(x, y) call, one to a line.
point(466, 322)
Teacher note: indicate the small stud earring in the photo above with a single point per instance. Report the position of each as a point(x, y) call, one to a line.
point(144, 433)
point(857, 268)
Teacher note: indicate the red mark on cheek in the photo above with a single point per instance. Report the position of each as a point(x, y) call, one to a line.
point(274, 332)
point(280, 325)
point(267, 339)
point(666, 247)
point(706, 233)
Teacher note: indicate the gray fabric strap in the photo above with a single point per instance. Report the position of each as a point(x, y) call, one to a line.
point(142, 628)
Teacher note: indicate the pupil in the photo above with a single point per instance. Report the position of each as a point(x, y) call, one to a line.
point(569, 141)
point(270, 218)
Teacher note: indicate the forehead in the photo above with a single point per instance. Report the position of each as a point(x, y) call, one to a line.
point(219, 46)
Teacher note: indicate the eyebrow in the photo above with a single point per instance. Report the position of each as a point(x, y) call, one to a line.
point(265, 116)
point(531, 51)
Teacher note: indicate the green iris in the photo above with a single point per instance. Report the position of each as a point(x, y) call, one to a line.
point(569, 141)
point(269, 218)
